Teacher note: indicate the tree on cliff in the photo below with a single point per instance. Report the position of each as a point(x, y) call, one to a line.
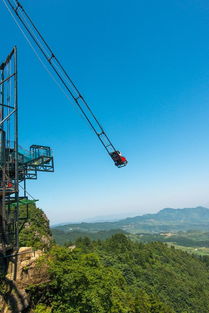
point(36, 232)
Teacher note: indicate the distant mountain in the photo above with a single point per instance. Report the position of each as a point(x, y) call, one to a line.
point(165, 220)
point(98, 219)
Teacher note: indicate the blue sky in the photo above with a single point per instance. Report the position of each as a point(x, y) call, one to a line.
point(143, 67)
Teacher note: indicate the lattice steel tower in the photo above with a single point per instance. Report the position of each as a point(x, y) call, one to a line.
point(16, 164)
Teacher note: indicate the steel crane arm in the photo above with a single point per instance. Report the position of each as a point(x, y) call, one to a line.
point(44, 52)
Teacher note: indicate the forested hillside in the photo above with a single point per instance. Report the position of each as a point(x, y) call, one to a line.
point(118, 275)
point(63, 238)
point(115, 275)
point(35, 232)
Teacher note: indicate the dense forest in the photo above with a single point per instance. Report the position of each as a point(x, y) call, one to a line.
point(114, 275)
point(64, 238)
point(119, 275)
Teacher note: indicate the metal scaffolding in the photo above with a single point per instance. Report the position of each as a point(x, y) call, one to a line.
point(9, 187)
point(16, 164)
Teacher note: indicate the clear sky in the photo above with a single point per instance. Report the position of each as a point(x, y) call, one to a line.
point(144, 68)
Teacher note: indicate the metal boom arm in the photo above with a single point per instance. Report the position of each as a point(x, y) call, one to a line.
point(60, 75)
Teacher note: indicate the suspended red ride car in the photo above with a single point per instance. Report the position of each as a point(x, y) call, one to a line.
point(118, 159)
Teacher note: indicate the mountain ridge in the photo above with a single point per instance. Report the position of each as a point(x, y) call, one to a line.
point(167, 219)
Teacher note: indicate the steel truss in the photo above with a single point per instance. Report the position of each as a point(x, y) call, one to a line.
point(59, 74)
point(9, 184)
point(16, 164)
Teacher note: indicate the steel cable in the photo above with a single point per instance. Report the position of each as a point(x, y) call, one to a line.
point(59, 71)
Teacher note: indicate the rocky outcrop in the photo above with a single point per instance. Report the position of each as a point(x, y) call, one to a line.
point(26, 272)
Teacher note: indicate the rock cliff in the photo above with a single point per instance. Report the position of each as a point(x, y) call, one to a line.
point(35, 238)
point(23, 273)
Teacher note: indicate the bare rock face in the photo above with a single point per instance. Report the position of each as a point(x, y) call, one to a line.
point(13, 297)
